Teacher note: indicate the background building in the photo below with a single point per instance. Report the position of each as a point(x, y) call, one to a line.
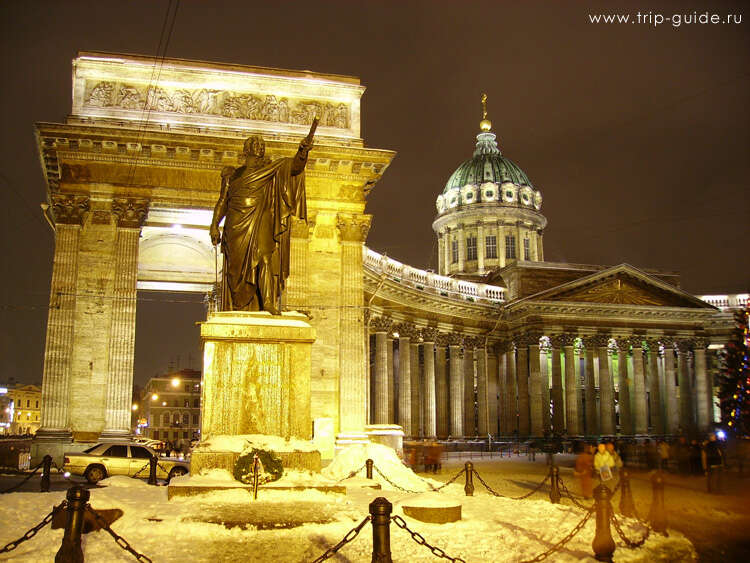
point(171, 406)
point(20, 408)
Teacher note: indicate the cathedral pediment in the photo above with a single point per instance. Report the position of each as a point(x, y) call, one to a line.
point(621, 285)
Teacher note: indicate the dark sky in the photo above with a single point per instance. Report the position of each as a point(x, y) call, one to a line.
point(637, 135)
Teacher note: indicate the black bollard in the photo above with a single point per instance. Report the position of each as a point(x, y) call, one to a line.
point(46, 470)
point(368, 468)
point(469, 486)
point(603, 544)
point(70, 550)
point(658, 516)
point(380, 515)
point(627, 506)
point(554, 491)
point(152, 470)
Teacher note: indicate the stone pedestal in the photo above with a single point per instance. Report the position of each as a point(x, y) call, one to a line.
point(256, 374)
point(391, 435)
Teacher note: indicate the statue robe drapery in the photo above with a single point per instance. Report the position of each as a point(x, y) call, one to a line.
point(256, 234)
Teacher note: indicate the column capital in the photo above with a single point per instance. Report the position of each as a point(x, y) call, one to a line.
point(442, 339)
point(700, 343)
point(353, 228)
point(69, 209)
point(472, 342)
point(684, 345)
point(130, 212)
point(299, 228)
point(565, 339)
point(520, 340)
point(501, 346)
point(407, 330)
point(429, 334)
point(381, 324)
point(455, 339)
point(636, 340)
point(601, 340)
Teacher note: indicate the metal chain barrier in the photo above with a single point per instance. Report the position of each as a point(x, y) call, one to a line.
point(448, 482)
point(17, 485)
point(630, 543)
point(419, 539)
point(135, 475)
point(400, 488)
point(350, 535)
point(119, 540)
point(571, 497)
point(352, 474)
point(524, 496)
point(33, 531)
point(555, 548)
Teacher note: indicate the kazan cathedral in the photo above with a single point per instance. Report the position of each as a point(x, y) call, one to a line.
point(498, 342)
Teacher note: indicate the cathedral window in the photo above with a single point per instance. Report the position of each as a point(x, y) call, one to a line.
point(454, 251)
point(526, 249)
point(490, 246)
point(510, 246)
point(471, 248)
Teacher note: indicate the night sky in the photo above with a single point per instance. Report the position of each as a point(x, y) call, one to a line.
point(638, 136)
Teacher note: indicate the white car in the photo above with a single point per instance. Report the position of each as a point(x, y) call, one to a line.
point(120, 458)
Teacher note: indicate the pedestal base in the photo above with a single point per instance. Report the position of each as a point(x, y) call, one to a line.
point(256, 374)
point(391, 435)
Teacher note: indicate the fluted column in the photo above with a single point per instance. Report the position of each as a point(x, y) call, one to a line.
point(623, 385)
point(639, 387)
point(683, 378)
point(430, 403)
point(404, 379)
point(493, 426)
point(536, 398)
point(522, 381)
point(592, 418)
point(391, 380)
point(353, 231)
point(606, 388)
point(381, 326)
point(416, 388)
point(703, 391)
point(671, 399)
point(480, 356)
point(456, 387)
point(296, 294)
point(130, 216)
point(442, 405)
point(501, 349)
point(511, 391)
point(571, 385)
point(654, 394)
point(556, 393)
point(544, 352)
point(469, 396)
point(69, 212)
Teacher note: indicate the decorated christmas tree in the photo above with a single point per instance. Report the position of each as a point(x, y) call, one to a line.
point(734, 379)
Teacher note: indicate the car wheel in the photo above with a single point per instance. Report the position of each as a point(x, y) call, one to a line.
point(176, 472)
point(94, 474)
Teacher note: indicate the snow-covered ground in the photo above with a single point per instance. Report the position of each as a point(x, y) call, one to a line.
point(191, 529)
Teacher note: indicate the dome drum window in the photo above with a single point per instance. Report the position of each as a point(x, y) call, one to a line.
point(469, 194)
point(509, 192)
point(526, 196)
point(488, 191)
point(440, 203)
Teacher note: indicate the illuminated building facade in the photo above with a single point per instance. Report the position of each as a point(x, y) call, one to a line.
point(171, 407)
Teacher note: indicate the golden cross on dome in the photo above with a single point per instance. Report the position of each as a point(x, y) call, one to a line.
point(485, 125)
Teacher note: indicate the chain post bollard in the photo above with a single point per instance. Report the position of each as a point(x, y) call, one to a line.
point(469, 486)
point(256, 475)
point(603, 544)
point(47, 469)
point(380, 514)
point(368, 468)
point(627, 506)
point(152, 470)
point(554, 491)
point(657, 515)
point(70, 550)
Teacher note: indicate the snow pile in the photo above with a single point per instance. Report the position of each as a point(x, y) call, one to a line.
point(385, 459)
point(430, 500)
point(241, 442)
point(208, 477)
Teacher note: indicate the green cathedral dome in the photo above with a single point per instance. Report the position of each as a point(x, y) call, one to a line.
point(487, 165)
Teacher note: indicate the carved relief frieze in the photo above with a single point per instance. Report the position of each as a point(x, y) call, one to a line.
point(130, 212)
point(69, 209)
point(220, 103)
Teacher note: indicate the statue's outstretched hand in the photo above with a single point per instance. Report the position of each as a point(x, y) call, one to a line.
point(215, 236)
point(305, 145)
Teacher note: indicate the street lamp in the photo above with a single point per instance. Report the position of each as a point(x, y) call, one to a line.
point(154, 397)
point(175, 382)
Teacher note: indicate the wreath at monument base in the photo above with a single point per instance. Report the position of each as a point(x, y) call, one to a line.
point(270, 468)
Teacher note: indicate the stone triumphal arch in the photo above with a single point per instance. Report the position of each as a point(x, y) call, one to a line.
point(133, 175)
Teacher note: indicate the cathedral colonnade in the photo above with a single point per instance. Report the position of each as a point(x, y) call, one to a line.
point(451, 385)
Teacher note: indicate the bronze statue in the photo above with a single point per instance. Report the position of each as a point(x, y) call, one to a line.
point(257, 200)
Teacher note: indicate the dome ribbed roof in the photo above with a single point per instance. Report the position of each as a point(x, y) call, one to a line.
point(487, 165)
